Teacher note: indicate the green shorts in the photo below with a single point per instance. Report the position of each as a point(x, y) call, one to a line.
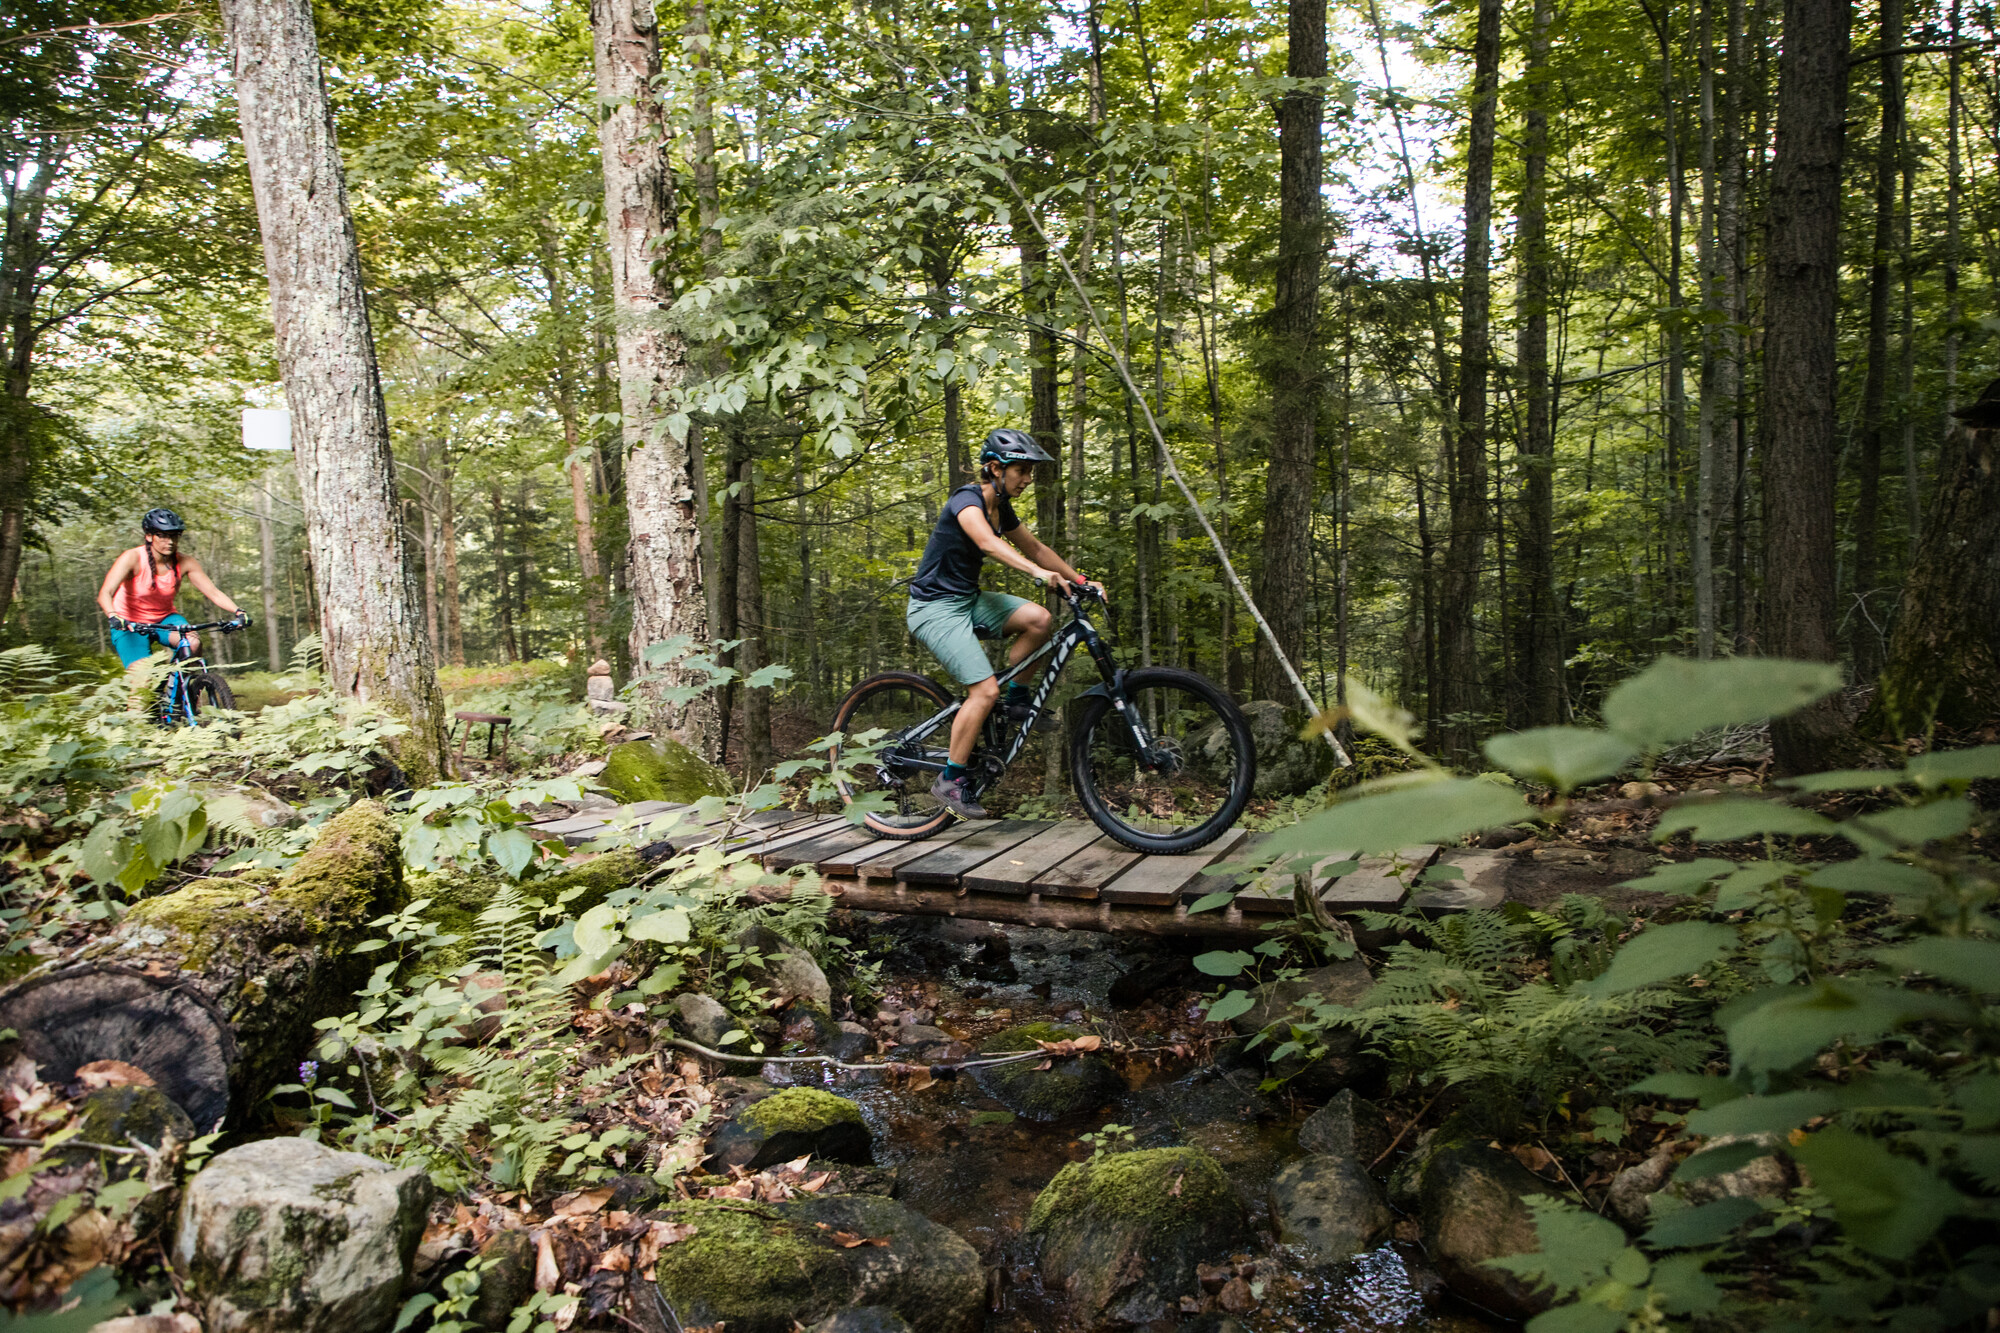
point(946, 627)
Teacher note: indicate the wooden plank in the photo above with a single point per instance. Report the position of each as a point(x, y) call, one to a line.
point(882, 865)
point(642, 810)
point(797, 833)
point(757, 839)
point(1084, 874)
point(1265, 893)
point(808, 853)
point(1375, 886)
point(1158, 880)
point(1012, 872)
point(574, 831)
point(848, 864)
point(1322, 871)
point(1484, 884)
point(947, 865)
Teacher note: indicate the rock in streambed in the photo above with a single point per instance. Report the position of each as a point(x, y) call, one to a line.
point(1069, 1086)
point(769, 1267)
point(790, 1124)
point(1123, 1235)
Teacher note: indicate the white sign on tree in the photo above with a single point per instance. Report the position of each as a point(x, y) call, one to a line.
point(267, 428)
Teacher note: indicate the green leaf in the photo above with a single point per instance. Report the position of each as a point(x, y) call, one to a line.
point(1578, 1248)
point(1208, 902)
point(1872, 874)
point(1780, 1026)
point(1223, 962)
point(1438, 811)
point(1914, 825)
point(1663, 953)
point(1979, 1097)
point(1675, 699)
point(1979, 1155)
point(1847, 779)
point(763, 678)
point(104, 851)
point(1981, 761)
point(511, 849)
point(1583, 1317)
point(1973, 964)
point(597, 930)
point(668, 926)
point(1720, 1161)
point(1888, 1205)
point(1235, 1004)
point(1682, 877)
point(1704, 1225)
point(1729, 819)
point(1705, 1088)
point(1775, 1114)
point(1683, 1288)
point(1563, 757)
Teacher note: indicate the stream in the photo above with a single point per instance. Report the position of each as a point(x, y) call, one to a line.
point(962, 1160)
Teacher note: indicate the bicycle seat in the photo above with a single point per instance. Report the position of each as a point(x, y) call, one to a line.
point(981, 632)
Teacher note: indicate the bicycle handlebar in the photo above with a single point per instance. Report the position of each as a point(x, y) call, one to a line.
point(226, 626)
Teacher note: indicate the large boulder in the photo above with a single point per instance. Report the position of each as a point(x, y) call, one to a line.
point(1473, 1207)
point(704, 1018)
point(1123, 1235)
point(787, 971)
point(289, 1236)
point(790, 1124)
point(1070, 1085)
point(1347, 1126)
point(769, 1267)
point(1328, 1207)
point(661, 770)
point(1277, 1003)
point(1286, 765)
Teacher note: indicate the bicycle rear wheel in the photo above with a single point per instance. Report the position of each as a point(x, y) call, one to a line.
point(886, 714)
point(1193, 778)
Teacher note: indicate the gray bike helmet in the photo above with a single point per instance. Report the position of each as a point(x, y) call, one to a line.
point(1007, 445)
point(163, 521)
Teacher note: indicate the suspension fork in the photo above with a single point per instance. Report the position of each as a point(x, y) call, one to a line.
point(1142, 739)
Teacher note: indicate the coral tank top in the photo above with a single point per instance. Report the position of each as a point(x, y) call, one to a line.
point(144, 601)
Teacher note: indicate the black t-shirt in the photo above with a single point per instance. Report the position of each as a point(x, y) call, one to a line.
point(950, 567)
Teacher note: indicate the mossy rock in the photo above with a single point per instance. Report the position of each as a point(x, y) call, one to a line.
point(766, 1268)
point(790, 1124)
point(1472, 1201)
point(661, 770)
point(1071, 1085)
point(457, 898)
point(1122, 1235)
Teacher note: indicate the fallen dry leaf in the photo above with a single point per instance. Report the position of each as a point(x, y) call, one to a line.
point(582, 1203)
point(848, 1240)
point(1235, 1297)
point(1175, 1192)
point(548, 1274)
point(1533, 1156)
point(617, 1259)
point(112, 1074)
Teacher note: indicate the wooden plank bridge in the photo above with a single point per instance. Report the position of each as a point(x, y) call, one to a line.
point(1061, 874)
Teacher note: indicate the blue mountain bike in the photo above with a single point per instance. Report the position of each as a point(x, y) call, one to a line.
point(190, 688)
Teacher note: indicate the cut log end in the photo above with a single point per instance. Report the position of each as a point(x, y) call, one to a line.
point(99, 1011)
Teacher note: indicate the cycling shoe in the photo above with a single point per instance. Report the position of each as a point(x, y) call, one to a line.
point(952, 795)
point(1019, 713)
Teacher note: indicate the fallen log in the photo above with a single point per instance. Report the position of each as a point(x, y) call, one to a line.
point(214, 989)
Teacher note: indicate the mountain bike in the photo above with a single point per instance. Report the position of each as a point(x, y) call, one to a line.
point(190, 688)
point(1160, 758)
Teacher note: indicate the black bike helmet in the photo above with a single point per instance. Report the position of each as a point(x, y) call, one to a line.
point(1007, 445)
point(165, 522)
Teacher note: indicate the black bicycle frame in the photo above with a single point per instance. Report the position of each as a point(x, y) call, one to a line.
point(1063, 644)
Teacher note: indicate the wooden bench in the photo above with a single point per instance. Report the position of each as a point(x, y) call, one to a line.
point(494, 722)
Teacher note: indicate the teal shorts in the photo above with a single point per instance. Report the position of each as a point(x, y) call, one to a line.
point(947, 627)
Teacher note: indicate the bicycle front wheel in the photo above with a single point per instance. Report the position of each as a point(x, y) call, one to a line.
point(1188, 782)
point(207, 692)
point(889, 756)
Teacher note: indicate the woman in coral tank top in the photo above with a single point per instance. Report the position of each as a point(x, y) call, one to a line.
point(141, 586)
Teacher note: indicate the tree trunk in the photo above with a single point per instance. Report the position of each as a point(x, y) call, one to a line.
point(1535, 536)
point(370, 624)
point(1459, 598)
point(749, 595)
point(1291, 370)
point(1708, 447)
point(575, 453)
point(268, 546)
point(454, 622)
point(808, 622)
point(663, 558)
point(1943, 664)
point(1800, 428)
point(938, 264)
point(19, 284)
point(1864, 631)
point(503, 573)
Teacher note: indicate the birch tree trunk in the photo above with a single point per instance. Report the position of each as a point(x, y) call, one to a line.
point(1459, 600)
point(1292, 371)
point(370, 621)
point(1800, 428)
point(663, 556)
